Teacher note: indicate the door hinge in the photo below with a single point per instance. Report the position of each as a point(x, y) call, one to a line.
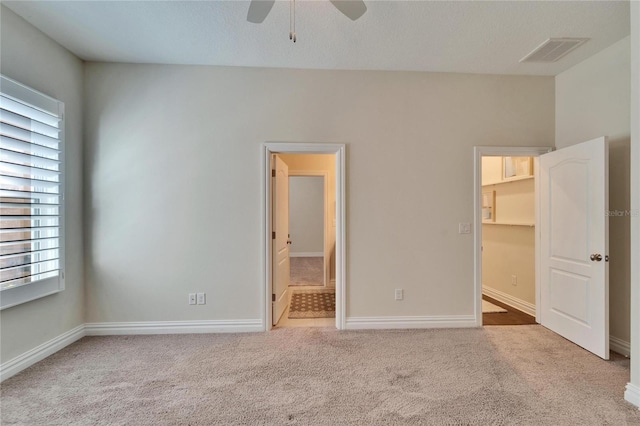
point(273, 297)
point(273, 173)
point(273, 235)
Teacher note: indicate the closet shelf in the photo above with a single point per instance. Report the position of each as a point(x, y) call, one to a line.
point(530, 225)
point(508, 180)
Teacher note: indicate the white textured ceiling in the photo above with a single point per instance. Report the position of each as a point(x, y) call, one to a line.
point(452, 36)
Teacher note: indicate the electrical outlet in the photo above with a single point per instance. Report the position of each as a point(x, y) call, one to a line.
point(399, 294)
point(192, 298)
point(464, 228)
point(202, 298)
point(514, 280)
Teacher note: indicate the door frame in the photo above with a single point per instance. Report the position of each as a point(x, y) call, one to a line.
point(339, 150)
point(499, 151)
point(326, 228)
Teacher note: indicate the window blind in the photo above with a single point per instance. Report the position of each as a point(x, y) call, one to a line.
point(30, 187)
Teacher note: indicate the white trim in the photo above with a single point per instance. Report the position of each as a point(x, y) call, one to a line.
point(173, 327)
point(32, 356)
point(25, 94)
point(537, 242)
point(478, 153)
point(620, 346)
point(632, 394)
point(27, 359)
point(305, 148)
point(307, 254)
point(633, 390)
point(378, 323)
point(507, 299)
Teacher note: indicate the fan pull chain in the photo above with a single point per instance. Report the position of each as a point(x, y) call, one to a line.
point(292, 20)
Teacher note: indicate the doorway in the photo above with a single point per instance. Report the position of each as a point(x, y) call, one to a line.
point(485, 213)
point(333, 264)
point(309, 301)
point(508, 240)
point(571, 239)
point(309, 227)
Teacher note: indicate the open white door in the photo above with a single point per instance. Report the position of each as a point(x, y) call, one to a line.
point(574, 244)
point(280, 237)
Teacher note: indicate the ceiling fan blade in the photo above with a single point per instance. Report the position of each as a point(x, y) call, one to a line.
point(352, 9)
point(258, 10)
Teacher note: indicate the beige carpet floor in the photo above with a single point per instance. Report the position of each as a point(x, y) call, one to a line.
point(512, 375)
point(306, 271)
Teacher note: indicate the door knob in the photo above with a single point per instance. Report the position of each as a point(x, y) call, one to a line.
point(596, 257)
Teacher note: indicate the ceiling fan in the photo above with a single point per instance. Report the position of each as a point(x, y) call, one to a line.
point(259, 9)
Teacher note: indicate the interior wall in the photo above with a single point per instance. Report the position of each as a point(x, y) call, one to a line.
point(491, 169)
point(306, 214)
point(509, 251)
point(202, 221)
point(508, 244)
point(33, 59)
point(592, 100)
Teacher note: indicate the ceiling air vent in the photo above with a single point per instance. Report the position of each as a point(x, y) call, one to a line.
point(553, 49)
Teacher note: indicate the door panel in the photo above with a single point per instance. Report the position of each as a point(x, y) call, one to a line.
point(564, 287)
point(280, 244)
point(573, 201)
point(575, 245)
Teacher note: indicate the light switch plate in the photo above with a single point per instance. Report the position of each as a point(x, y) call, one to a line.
point(399, 294)
point(464, 228)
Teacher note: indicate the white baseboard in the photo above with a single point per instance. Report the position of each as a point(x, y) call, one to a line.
point(632, 394)
point(514, 302)
point(172, 327)
point(620, 346)
point(373, 323)
point(27, 359)
point(307, 254)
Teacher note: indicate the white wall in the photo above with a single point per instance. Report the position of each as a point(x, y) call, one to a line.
point(174, 179)
point(31, 58)
point(306, 214)
point(635, 200)
point(592, 100)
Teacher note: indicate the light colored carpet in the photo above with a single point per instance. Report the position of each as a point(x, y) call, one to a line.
point(313, 304)
point(512, 375)
point(306, 271)
point(490, 308)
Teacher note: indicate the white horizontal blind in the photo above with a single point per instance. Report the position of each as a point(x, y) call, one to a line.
point(30, 187)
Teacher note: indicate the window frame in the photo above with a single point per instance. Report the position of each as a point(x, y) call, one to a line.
point(45, 287)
